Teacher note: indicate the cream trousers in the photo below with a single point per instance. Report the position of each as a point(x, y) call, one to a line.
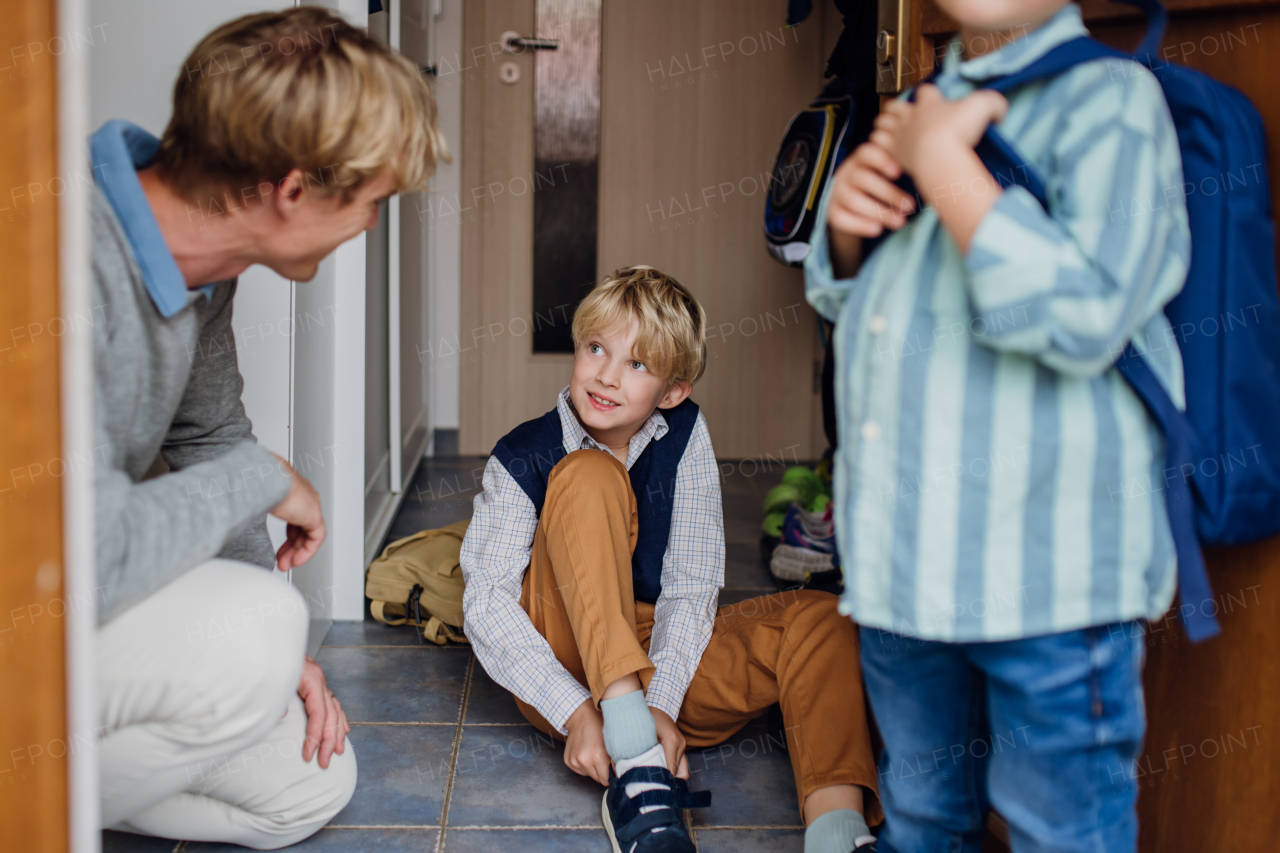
point(201, 725)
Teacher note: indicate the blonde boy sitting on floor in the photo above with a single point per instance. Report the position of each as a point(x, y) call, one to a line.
point(593, 566)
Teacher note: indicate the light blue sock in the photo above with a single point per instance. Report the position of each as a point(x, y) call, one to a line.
point(835, 832)
point(629, 728)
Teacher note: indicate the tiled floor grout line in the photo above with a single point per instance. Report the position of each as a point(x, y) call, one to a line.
point(760, 826)
point(524, 827)
point(403, 826)
point(491, 725)
point(433, 647)
point(519, 826)
point(453, 753)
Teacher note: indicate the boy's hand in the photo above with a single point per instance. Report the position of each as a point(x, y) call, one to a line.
point(933, 139)
point(864, 199)
point(584, 751)
point(300, 510)
point(673, 743)
point(864, 202)
point(932, 128)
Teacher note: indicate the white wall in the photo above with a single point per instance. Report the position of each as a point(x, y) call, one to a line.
point(301, 346)
point(343, 402)
point(76, 369)
point(133, 70)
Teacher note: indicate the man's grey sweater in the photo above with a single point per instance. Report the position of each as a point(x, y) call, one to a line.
point(168, 386)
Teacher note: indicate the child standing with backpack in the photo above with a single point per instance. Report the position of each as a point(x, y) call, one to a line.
point(1000, 533)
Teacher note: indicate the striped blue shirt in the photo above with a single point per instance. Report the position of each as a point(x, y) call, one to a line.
point(996, 477)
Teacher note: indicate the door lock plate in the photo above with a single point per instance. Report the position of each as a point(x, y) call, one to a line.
point(892, 40)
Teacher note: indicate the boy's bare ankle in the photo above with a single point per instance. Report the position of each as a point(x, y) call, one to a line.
point(627, 684)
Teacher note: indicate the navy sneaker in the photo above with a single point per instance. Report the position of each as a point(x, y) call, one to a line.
point(632, 832)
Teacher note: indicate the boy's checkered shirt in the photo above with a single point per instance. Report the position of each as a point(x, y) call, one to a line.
point(498, 546)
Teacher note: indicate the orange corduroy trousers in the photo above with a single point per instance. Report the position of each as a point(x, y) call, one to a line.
point(790, 647)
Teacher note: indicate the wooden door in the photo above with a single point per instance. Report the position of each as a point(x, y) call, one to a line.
point(1207, 775)
point(694, 100)
point(503, 383)
point(1208, 771)
point(33, 756)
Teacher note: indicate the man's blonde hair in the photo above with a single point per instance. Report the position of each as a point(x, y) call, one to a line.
point(672, 341)
point(267, 93)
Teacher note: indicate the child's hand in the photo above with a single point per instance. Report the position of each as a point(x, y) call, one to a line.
point(864, 199)
point(933, 139)
point(673, 743)
point(584, 751)
point(930, 130)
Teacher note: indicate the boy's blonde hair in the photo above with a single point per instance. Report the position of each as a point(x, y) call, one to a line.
point(672, 341)
point(270, 92)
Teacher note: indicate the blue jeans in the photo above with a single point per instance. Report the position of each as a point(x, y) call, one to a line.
point(1045, 730)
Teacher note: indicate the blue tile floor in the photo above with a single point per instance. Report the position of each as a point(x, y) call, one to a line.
point(446, 760)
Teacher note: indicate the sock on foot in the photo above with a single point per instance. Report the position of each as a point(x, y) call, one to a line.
point(836, 832)
point(629, 728)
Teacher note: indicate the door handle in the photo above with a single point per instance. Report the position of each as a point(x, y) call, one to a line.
point(513, 42)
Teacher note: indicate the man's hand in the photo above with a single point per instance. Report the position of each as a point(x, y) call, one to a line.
point(300, 510)
point(326, 723)
point(672, 741)
point(584, 751)
point(933, 140)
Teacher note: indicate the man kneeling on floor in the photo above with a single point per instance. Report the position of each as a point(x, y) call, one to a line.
point(593, 564)
point(215, 727)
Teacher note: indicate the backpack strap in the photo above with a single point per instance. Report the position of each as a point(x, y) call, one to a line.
point(996, 152)
point(1157, 20)
point(1002, 159)
point(434, 629)
point(1194, 590)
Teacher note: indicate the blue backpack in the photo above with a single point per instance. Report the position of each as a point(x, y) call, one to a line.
point(1223, 472)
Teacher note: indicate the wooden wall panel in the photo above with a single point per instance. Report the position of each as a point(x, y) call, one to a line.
point(1210, 772)
point(33, 738)
point(695, 97)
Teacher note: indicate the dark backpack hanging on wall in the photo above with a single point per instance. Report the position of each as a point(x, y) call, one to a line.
point(852, 72)
point(820, 136)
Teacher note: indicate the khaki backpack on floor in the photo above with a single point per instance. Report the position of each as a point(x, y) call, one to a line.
point(418, 581)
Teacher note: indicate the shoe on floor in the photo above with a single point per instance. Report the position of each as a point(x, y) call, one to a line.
point(795, 564)
point(815, 531)
point(630, 831)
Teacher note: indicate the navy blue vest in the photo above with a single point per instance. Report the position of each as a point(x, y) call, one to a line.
point(531, 450)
